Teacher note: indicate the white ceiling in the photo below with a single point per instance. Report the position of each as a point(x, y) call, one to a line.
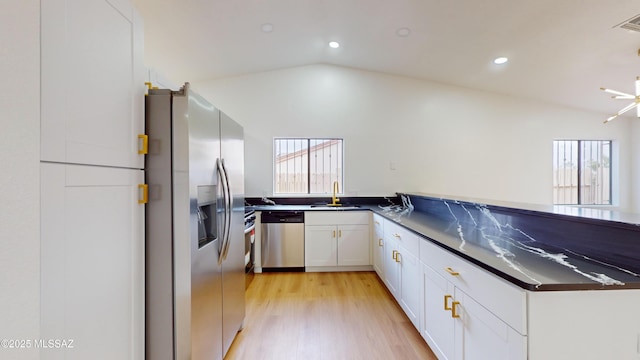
point(560, 51)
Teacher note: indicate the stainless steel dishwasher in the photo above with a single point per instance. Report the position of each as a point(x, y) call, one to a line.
point(282, 241)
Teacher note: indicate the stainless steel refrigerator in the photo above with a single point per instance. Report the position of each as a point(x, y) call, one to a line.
point(195, 282)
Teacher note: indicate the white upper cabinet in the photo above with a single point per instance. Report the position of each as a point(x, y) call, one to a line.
point(93, 75)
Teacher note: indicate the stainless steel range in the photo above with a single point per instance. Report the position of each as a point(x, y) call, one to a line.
point(249, 245)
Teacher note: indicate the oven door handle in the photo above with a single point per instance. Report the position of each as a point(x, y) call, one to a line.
point(248, 230)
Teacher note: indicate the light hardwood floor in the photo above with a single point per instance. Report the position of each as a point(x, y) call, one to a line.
point(342, 315)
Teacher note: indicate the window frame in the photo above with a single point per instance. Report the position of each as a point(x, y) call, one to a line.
point(308, 193)
point(580, 150)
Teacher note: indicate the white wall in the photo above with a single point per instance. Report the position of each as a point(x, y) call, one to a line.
point(443, 139)
point(20, 176)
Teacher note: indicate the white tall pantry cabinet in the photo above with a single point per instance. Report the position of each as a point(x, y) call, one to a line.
point(92, 206)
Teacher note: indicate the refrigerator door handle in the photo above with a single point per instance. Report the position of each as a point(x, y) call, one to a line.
point(224, 213)
point(228, 205)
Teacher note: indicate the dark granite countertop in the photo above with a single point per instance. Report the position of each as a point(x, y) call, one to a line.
point(517, 258)
point(545, 252)
point(595, 213)
point(535, 250)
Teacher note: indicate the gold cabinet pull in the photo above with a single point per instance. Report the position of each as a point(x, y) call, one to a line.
point(451, 271)
point(393, 254)
point(339, 233)
point(334, 233)
point(145, 193)
point(377, 222)
point(397, 236)
point(454, 309)
point(446, 302)
point(380, 243)
point(144, 149)
point(149, 86)
point(398, 256)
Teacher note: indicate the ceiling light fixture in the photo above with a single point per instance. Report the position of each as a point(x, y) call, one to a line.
point(500, 60)
point(403, 32)
point(625, 96)
point(334, 45)
point(266, 28)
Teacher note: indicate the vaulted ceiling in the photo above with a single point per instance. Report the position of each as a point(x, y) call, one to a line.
point(560, 51)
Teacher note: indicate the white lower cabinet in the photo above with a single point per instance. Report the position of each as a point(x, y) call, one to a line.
point(438, 327)
point(92, 258)
point(440, 294)
point(337, 239)
point(410, 275)
point(377, 245)
point(456, 324)
point(353, 245)
point(391, 276)
point(464, 312)
point(402, 270)
point(482, 335)
point(458, 327)
point(320, 245)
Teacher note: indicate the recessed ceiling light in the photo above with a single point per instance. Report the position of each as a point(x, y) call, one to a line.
point(334, 44)
point(403, 32)
point(500, 60)
point(266, 28)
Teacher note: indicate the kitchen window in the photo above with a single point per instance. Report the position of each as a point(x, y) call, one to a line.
point(582, 172)
point(307, 165)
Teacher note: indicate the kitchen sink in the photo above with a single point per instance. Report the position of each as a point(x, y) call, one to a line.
point(328, 206)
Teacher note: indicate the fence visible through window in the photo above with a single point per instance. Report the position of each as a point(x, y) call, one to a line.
point(307, 165)
point(582, 172)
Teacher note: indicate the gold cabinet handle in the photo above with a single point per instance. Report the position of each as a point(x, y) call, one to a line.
point(339, 233)
point(145, 193)
point(446, 302)
point(397, 236)
point(145, 144)
point(398, 256)
point(334, 233)
point(380, 243)
point(454, 309)
point(394, 253)
point(377, 222)
point(149, 86)
point(451, 271)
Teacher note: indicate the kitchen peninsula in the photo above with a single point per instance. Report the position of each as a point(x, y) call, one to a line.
point(512, 281)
